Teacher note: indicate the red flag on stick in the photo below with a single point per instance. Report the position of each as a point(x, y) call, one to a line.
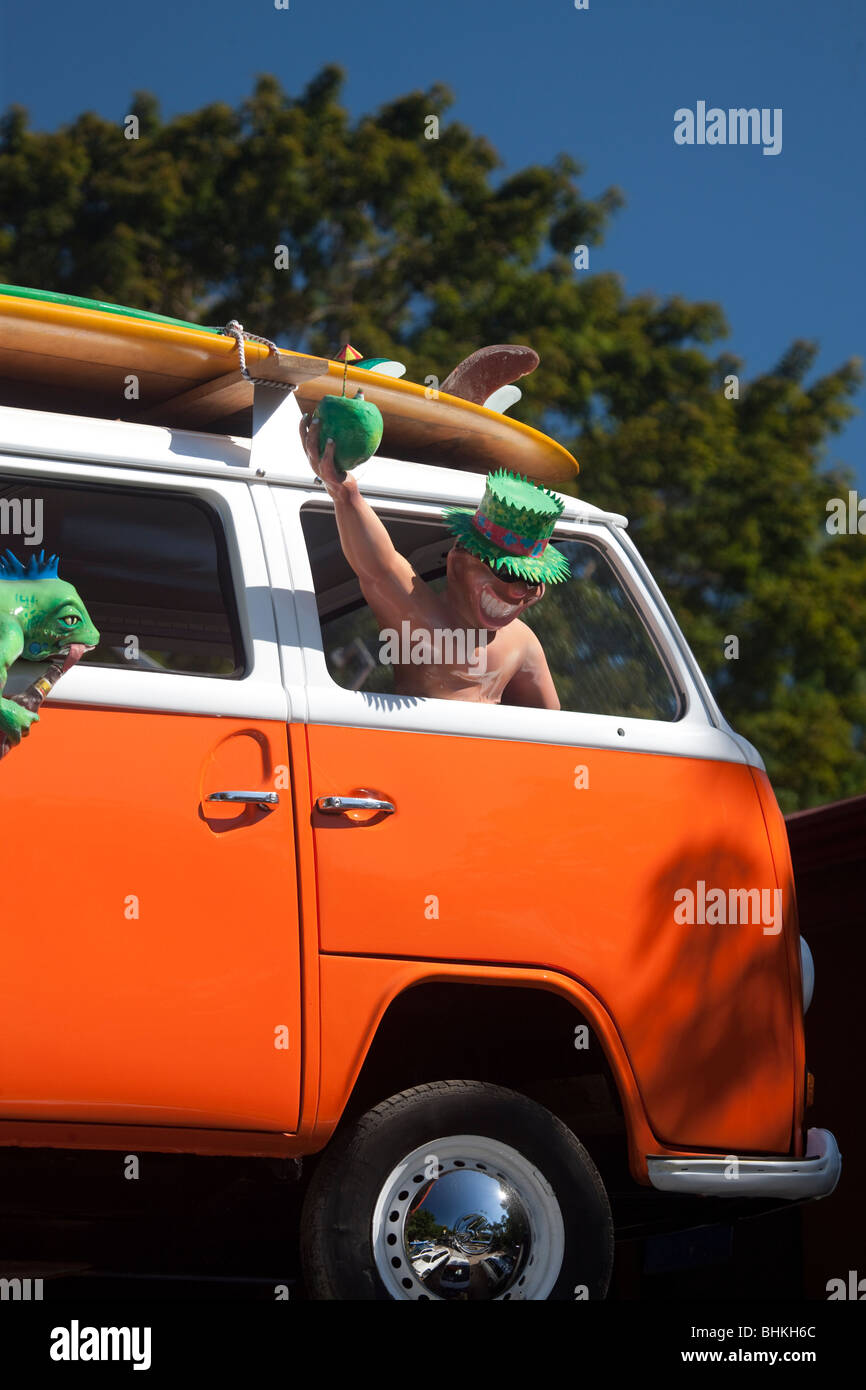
point(346, 355)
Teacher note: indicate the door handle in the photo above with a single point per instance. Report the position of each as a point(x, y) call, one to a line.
point(336, 805)
point(264, 800)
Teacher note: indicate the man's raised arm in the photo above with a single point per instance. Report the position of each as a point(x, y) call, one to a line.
point(386, 576)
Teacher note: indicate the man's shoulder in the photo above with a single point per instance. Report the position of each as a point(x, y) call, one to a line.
point(526, 636)
point(519, 640)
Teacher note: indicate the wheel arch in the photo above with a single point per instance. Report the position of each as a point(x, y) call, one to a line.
point(381, 1034)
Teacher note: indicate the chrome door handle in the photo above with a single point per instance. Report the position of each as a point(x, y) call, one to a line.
point(265, 800)
point(335, 805)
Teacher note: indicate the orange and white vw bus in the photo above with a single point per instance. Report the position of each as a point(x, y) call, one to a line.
point(257, 903)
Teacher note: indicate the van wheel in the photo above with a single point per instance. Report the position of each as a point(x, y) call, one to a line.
point(456, 1190)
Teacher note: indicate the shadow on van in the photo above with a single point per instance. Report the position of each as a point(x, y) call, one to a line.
point(714, 1003)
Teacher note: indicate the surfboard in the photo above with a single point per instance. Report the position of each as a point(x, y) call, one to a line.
point(85, 357)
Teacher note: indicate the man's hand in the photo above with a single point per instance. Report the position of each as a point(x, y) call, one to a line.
point(334, 478)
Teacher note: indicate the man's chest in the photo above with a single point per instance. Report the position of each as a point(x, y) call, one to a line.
point(453, 660)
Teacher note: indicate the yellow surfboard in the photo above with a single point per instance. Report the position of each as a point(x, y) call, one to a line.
point(80, 357)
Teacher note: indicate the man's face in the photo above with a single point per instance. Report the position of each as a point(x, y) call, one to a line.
point(484, 595)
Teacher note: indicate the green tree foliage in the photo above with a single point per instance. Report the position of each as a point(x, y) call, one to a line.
point(418, 248)
point(421, 1224)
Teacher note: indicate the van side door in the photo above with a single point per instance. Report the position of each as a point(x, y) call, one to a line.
point(151, 963)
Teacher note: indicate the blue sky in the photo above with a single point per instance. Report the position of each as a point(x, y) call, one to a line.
point(777, 240)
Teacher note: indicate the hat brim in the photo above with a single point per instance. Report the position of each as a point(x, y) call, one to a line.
point(551, 567)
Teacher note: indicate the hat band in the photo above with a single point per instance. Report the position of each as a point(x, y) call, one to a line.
point(508, 540)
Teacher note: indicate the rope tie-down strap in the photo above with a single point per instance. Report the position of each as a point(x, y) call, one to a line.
point(235, 330)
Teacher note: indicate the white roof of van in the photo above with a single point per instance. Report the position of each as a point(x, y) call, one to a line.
point(42, 434)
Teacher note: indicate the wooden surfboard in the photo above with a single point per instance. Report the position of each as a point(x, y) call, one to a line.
point(80, 356)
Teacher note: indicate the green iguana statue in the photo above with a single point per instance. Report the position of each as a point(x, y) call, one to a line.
point(41, 617)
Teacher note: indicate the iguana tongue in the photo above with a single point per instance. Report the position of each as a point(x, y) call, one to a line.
point(76, 652)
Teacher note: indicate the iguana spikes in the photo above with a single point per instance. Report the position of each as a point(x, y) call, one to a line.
point(39, 567)
point(10, 564)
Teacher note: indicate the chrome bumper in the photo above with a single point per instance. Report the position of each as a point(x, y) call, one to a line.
point(794, 1179)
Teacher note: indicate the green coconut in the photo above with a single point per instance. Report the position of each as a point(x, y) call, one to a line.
point(355, 425)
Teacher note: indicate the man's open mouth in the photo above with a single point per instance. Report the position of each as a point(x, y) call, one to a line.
point(495, 608)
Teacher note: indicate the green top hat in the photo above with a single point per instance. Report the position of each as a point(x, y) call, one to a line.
point(511, 529)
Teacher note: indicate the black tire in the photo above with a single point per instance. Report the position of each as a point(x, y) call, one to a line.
point(337, 1218)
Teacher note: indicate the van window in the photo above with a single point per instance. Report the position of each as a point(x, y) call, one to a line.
point(601, 656)
point(150, 566)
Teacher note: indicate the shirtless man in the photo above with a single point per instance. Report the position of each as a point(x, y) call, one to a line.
point(505, 662)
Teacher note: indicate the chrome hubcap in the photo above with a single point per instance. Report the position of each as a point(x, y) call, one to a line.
point(467, 1217)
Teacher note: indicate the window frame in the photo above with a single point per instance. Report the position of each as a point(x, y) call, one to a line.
point(611, 557)
point(259, 692)
point(693, 733)
point(223, 570)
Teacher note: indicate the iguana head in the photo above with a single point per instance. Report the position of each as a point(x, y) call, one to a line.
point(54, 619)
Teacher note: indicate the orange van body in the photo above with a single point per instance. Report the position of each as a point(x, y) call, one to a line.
point(164, 1014)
